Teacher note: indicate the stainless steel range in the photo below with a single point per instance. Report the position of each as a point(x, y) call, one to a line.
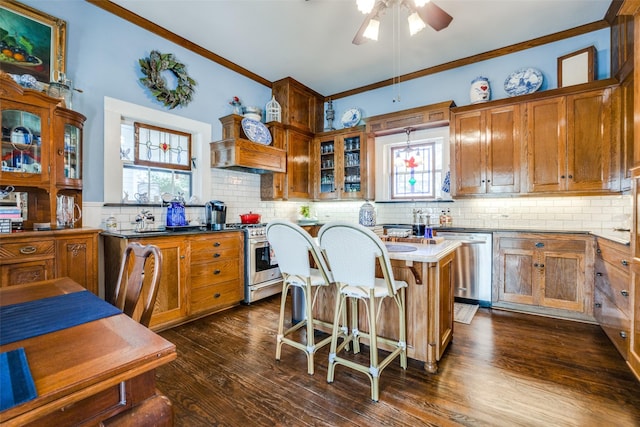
point(262, 275)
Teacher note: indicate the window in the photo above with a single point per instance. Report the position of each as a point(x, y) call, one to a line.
point(412, 166)
point(117, 160)
point(155, 160)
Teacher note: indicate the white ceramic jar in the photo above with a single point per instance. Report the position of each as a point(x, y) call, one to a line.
point(480, 90)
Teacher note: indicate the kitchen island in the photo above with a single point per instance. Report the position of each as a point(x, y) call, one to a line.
point(428, 269)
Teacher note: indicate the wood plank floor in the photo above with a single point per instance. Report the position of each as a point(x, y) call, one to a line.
point(504, 369)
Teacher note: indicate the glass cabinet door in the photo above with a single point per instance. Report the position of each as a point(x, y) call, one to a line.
point(327, 169)
point(351, 165)
point(72, 152)
point(21, 142)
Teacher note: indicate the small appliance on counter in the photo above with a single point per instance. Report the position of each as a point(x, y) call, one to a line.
point(215, 214)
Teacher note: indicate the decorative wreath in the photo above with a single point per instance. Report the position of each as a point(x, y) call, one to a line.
point(153, 66)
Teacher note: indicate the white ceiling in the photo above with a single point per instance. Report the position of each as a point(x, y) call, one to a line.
point(310, 40)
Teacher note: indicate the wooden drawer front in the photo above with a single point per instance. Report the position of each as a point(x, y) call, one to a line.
point(216, 296)
point(619, 258)
point(214, 272)
point(614, 283)
point(214, 249)
point(17, 251)
point(26, 272)
point(543, 244)
point(613, 322)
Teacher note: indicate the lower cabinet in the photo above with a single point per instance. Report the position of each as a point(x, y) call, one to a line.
point(544, 273)
point(201, 274)
point(41, 255)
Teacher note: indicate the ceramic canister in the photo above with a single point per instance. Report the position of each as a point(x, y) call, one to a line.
point(480, 90)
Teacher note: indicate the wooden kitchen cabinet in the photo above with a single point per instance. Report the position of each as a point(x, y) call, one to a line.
point(298, 178)
point(569, 143)
point(338, 165)
point(33, 256)
point(546, 273)
point(302, 108)
point(201, 273)
point(612, 306)
point(41, 149)
point(486, 149)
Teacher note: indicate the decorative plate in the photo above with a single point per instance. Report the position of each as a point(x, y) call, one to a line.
point(351, 117)
point(256, 131)
point(523, 81)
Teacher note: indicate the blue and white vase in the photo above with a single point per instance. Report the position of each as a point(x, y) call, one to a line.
point(480, 90)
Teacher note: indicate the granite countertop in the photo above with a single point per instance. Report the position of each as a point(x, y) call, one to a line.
point(129, 234)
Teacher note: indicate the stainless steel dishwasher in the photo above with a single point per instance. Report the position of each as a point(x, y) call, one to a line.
point(472, 272)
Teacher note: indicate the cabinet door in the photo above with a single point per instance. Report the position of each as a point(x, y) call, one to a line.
point(329, 169)
point(352, 173)
point(171, 303)
point(517, 275)
point(546, 145)
point(445, 304)
point(25, 144)
point(562, 280)
point(68, 148)
point(272, 185)
point(627, 132)
point(26, 272)
point(470, 153)
point(503, 149)
point(298, 161)
point(76, 258)
point(589, 141)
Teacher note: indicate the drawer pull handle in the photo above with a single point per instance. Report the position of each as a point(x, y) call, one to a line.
point(216, 295)
point(216, 244)
point(216, 255)
point(28, 250)
point(535, 264)
point(598, 305)
point(598, 251)
point(623, 334)
point(216, 271)
point(599, 274)
point(539, 245)
point(624, 262)
point(624, 292)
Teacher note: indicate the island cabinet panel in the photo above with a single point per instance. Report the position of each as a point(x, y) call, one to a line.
point(550, 274)
point(486, 150)
point(201, 274)
point(429, 309)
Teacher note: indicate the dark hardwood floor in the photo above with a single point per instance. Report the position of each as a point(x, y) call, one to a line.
point(504, 369)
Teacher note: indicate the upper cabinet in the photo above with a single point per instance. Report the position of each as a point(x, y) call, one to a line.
point(565, 140)
point(338, 160)
point(302, 108)
point(486, 147)
point(41, 151)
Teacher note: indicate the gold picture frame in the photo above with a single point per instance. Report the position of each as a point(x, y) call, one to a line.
point(577, 67)
point(35, 41)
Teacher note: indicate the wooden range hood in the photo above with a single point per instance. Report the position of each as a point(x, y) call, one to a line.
point(235, 151)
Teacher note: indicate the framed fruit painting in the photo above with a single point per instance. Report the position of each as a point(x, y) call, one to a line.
point(31, 42)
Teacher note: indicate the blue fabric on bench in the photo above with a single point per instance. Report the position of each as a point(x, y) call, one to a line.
point(39, 317)
point(15, 377)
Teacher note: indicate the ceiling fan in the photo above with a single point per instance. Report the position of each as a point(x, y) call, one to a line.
point(421, 12)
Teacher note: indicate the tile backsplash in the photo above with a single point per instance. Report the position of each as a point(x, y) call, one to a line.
point(241, 193)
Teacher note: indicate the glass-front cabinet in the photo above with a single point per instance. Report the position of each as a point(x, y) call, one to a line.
point(68, 151)
point(339, 166)
point(24, 128)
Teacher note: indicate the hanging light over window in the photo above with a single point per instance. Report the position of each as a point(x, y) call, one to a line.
point(408, 157)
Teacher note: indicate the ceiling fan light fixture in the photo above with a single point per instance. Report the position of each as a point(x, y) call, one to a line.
point(372, 29)
point(420, 3)
point(366, 6)
point(416, 24)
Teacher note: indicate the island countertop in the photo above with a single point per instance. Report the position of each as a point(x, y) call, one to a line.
point(423, 252)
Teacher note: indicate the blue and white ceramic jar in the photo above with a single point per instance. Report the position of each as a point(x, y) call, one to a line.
point(480, 90)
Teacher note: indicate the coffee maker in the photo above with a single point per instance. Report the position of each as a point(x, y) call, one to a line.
point(216, 214)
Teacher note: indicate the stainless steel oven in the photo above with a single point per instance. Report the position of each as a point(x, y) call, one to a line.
point(262, 275)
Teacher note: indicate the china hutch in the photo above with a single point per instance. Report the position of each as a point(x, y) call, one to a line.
point(41, 151)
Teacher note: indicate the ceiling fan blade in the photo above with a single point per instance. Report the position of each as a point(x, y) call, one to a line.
point(434, 16)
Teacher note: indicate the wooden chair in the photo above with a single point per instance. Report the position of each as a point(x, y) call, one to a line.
point(294, 249)
point(352, 253)
point(134, 283)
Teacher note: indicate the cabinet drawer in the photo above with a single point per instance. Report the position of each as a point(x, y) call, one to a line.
point(214, 272)
point(613, 322)
point(617, 256)
point(216, 296)
point(215, 248)
point(543, 244)
point(614, 283)
point(26, 272)
point(17, 251)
